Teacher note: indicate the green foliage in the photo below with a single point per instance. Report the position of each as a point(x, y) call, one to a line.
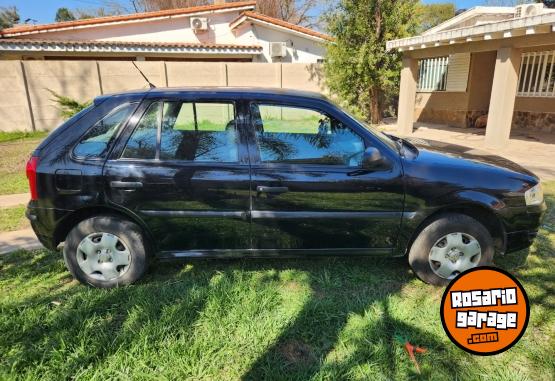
point(8, 17)
point(68, 106)
point(358, 67)
point(64, 14)
point(430, 15)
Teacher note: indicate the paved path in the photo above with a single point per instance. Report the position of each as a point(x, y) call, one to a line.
point(10, 200)
point(19, 239)
point(534, 150)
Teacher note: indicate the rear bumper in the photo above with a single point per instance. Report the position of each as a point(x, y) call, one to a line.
point(44, 221)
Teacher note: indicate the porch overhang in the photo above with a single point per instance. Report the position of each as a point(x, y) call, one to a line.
point(524, 26)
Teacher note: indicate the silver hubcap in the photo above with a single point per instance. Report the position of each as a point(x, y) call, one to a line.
point(454, 253)
point(103, 256)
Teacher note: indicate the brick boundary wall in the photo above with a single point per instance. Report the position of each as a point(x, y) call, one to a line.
point(27, 105)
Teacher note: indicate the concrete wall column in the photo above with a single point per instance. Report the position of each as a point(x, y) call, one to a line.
point(407, 95)
point(503, 94)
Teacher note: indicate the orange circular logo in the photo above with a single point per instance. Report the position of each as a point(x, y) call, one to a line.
point(485, 311)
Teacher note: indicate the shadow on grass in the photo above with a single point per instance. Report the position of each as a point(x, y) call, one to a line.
point(346, 327)
point(98, 325)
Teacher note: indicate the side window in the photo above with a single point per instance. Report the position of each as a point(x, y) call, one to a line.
point(96, 142)
point(288, 134)
point(142, 143)
point(201, 132)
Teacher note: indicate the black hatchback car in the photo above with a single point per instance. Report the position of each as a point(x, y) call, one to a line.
point(225, 172)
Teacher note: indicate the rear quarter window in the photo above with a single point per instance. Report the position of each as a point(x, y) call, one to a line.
point(96, 142)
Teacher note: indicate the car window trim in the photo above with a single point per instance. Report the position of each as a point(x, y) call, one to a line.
point(257, 161)
point(113, 140)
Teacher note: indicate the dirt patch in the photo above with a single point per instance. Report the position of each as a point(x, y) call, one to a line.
point(297, 352)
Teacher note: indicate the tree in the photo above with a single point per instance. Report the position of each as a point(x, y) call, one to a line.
point(294, 11)
point(68, 106)
point(430, 15)
point(357, 66)
point(64, 14)
point(8, 17)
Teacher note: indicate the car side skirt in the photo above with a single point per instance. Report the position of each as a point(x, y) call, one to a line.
point(269, 253)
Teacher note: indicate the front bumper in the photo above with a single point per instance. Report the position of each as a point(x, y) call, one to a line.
point(524, 226)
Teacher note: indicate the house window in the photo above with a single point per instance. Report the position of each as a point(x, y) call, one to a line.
point(537, 74)
point(432, 74)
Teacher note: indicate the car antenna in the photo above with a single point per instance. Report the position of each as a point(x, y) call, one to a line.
point(144, 76)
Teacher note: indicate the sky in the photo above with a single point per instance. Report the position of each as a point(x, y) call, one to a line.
point(43, 11)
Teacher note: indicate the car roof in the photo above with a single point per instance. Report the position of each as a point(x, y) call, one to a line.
point(226, 91)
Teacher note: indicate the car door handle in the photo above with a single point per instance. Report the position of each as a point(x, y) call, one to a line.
point(273, 190)
point(126, 184)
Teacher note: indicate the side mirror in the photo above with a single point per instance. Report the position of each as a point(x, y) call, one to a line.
point(373, 159)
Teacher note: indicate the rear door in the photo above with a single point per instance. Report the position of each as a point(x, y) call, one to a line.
point(183, 169)
point(309, 189)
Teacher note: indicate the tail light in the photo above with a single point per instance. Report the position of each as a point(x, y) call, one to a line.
point(31, 170)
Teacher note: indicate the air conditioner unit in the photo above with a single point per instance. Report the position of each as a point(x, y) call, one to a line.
point(528, 10)
point(199, 24)
point(278, 49)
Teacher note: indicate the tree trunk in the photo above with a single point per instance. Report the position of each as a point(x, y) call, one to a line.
point(375, 107)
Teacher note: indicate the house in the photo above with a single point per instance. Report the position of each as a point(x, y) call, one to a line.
point(223, 32)
point(494, 62)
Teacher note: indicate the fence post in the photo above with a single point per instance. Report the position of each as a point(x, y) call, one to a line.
point(99, 77)
point(27, 96)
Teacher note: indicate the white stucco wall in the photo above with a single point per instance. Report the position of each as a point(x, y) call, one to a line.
point(177, 29)
point(299, 49)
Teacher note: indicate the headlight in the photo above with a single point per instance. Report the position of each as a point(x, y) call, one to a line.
point(534, 195)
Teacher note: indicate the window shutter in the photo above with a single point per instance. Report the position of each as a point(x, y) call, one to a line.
point(457, 74)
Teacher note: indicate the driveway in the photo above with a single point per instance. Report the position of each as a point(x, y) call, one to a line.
point(534, 150)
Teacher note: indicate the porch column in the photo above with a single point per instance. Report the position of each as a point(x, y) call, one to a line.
point(407, 96)
point(503, 94)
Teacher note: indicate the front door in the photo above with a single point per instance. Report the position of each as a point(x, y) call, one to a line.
point(309, 190)
point(184, 171)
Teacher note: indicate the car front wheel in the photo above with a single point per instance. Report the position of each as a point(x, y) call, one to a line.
point(106, 251)
point(448, 246)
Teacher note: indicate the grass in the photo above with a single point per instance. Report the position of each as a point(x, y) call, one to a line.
point(19, 135)
point(12, 218)
point(16, 147)
point(320, 319)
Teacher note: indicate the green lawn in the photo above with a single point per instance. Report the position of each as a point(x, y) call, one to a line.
point(321, 319)
point(15, 149)
point(12, 218)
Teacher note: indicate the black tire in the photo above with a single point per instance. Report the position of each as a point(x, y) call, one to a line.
point(128, 232)
point(438, 228)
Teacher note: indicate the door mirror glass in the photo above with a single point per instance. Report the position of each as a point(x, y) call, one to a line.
point(373, 159)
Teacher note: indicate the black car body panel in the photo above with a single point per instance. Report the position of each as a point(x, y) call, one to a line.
point(253, 207)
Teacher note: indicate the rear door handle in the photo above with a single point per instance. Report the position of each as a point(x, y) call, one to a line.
point(126, 184)
point(273, 190)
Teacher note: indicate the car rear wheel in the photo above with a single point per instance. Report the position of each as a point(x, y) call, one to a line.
point(106, 251)
point(448, 246)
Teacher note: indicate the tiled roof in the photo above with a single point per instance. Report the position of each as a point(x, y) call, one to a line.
point(153, 44)
point(284, 24)
point(123, 18)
